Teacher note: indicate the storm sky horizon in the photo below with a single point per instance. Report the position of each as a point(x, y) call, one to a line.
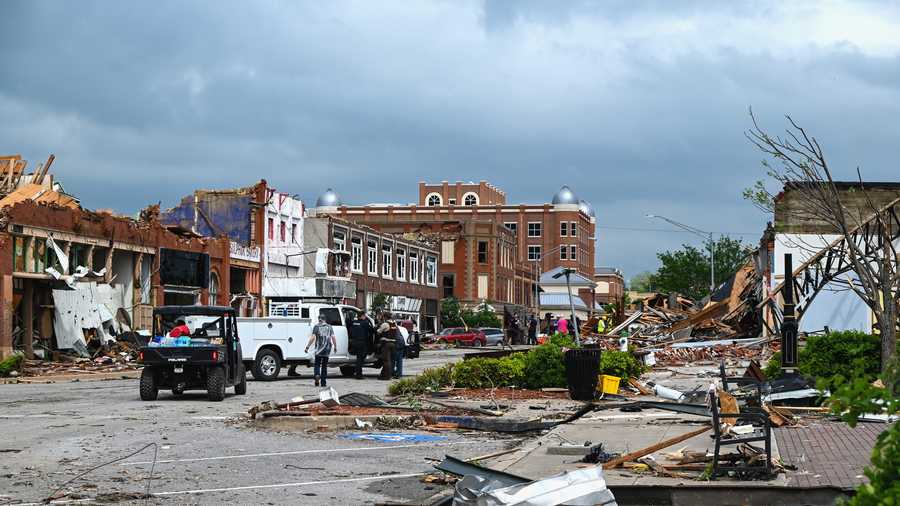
point(639, 107)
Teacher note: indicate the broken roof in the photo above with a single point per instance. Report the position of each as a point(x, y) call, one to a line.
point(40, 194)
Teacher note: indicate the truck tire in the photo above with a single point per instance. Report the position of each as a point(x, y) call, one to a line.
point(240, 387)
point(267, 365)
point(348, 371)
point(215, 384)
point(149, 391)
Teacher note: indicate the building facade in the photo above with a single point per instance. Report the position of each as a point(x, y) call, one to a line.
point(398, 266)
point(69, 277)
point(796, 230)
point(559, 234)
point(610, 286)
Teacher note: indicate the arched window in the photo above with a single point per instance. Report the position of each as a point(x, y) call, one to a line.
point(434, 200)
point(213, 288)
point(470, 199)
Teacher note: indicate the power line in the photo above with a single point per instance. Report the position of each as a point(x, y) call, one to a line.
point(636, 229)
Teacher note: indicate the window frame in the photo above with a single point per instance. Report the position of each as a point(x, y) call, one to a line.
point(356, 254)
point(474, 197)
point(372, 258)
point(573, 229)
point(400, 253)
point(514, 228)
point(413, 266)
point(563, 252)
point(434, 195)
point(387, 263)
point(536, 247)
point(431, 262)
point(564, 229)
point(535, 225)
point(481, 256)
point(340, 244)
point(573, 252)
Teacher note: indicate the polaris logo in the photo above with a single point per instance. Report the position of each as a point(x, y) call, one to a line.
point(177, 360)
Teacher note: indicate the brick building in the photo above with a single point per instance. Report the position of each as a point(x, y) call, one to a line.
point(283, 255)
point(68, 275)
point(490, 250)
point(397, 265)
point(610, 286)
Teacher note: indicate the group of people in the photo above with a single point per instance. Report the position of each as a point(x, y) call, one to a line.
point(364, 339)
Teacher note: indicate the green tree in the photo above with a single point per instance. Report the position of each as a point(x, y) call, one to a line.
point(686, 271)
point(451, 316)
point(642, 282)
point(381, 304)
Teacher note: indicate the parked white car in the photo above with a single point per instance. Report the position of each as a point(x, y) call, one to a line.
point(278, 340)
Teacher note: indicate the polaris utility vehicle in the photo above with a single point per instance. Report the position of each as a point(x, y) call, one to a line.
point(205, 356)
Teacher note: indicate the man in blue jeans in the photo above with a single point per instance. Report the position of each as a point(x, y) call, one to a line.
point(399, 349)
point(323, 337)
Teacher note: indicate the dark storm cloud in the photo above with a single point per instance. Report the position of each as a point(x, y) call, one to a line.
point(641, 109)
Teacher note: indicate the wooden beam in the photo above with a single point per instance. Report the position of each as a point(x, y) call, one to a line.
point(628, 457)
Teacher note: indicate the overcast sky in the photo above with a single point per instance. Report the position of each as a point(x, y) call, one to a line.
point(639, 109)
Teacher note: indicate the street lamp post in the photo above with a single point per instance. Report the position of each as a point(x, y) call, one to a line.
point(567, 271)
point(703, 234)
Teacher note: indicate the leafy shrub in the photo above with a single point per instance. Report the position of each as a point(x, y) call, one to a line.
point(563, 340)
point(490, 372)
point(429, 380)
point(847, 354)
point(621, 364)
point(844, 354)
point(545, 367)
point(852, 398)
point(11, 363)
point(772, 370)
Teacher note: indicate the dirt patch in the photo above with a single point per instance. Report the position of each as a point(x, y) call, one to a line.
point(506, 393)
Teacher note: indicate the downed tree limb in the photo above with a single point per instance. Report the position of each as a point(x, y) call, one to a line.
point(650, 449)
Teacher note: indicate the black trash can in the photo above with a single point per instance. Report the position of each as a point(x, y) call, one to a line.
point(582, 368)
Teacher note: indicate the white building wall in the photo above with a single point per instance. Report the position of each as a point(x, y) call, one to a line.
point(841, 310)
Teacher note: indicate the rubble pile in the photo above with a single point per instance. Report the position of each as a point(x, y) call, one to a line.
point(121, 356)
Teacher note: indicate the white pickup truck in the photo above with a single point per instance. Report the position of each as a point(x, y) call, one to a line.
point(268, 343)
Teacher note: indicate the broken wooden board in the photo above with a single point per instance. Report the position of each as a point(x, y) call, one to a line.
point(628, 457)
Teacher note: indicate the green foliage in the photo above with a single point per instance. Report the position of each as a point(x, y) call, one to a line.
point(450, 313)
point(772, 370)
point(759, 196)
point(852, 398)
point(686, 271)
point(429, 380)
point(484, 317)
point(490, 373)
point(843, 355)
point(642, 282)
point(11, 363)
point(563, 340)
point(381, 304)
point(621, 364)
point(545, 367)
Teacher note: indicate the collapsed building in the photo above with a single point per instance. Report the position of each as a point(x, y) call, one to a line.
point(71, 278)
point(282, 254)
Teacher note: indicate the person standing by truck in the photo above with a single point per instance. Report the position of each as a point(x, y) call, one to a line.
point(386, 345)
point(399, 350)
point(361, 334)
point(323, 337)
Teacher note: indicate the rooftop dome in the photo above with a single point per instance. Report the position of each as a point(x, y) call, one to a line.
point(565, 195)
point(328, 199)
point(586, 208)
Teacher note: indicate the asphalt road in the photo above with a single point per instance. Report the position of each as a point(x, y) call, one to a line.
point(52, 432)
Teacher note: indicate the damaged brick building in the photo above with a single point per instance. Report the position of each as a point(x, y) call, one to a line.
point(70, 276)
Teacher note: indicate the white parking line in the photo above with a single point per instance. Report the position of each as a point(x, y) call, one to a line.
point(298, 452)
point(285, 485)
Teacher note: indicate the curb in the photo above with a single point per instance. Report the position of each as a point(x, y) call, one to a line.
point(68, 378)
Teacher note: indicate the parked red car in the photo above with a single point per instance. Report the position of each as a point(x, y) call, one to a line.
point(459, 335)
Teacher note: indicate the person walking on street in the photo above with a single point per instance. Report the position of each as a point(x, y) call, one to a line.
point(361, 333)
point(562, 326)
point(399, 350)
point(323, 337)
point(532, 330)
point(387, 344)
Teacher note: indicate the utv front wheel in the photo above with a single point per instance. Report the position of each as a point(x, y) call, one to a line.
point(215, 384)
point(149, 391)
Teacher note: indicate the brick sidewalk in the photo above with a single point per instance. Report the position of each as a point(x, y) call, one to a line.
point(827, 453)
